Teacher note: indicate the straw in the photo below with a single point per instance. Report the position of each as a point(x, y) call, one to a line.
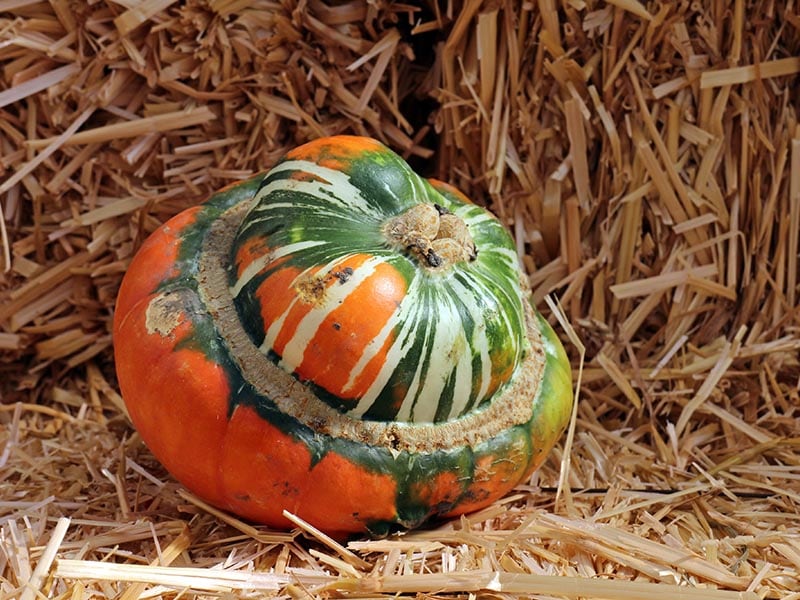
point(645, 158)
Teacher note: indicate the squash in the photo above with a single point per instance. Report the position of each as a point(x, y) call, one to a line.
point(342, 339)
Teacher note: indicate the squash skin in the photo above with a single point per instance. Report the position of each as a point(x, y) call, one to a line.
point(233, 447)
point(336, 217)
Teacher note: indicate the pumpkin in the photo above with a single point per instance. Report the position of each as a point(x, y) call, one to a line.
point(342, 339)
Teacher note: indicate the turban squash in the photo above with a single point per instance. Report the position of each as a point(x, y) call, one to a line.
point(340, 338)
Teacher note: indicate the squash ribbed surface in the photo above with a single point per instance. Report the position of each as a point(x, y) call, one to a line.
point(379, 335)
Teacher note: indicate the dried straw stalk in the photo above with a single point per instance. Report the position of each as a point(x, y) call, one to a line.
point(647, 158)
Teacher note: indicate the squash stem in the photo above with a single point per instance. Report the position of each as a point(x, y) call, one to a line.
point(433, 235)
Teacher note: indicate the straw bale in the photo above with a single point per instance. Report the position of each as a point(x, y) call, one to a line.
point(646, 157)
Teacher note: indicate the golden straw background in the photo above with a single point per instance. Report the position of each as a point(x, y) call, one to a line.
point(646, 156)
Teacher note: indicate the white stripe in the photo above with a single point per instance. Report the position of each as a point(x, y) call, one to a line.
point(470, 216)
point(319, 190)
point(332, 181)
point(275, 327)
point(404, 413)
point(335, 296)
point(508, 255)
point(448, 347)
point(255, 267)
point(479, 341)
point(463, 385)
point(515, 301)
point(371, 349)
point(262, 217)
point(405, 338)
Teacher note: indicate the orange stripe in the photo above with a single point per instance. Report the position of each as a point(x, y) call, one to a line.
point(252, 249)
point(296, 314)
point(275, 295)
point(278, 291)
point(305, 176)
point(445, 189)
point(370, 373)
point(336, 152)
point(340, 341)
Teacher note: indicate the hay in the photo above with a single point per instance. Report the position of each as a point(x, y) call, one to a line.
point(645, 155)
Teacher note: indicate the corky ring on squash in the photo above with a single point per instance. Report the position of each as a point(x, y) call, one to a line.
point(342, 339)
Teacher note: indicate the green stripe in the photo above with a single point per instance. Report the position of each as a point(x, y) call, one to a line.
point(348, 219)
